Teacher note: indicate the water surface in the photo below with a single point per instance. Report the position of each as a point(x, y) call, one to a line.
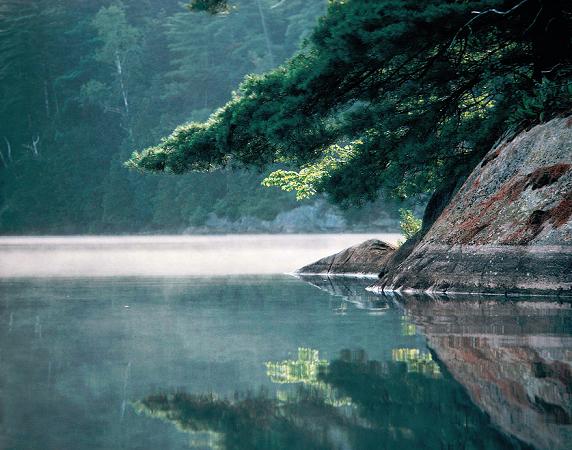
point(275, 362)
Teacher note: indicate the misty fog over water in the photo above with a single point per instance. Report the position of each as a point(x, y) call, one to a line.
point(106, 256)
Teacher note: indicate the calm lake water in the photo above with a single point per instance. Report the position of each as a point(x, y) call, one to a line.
point(269, 361)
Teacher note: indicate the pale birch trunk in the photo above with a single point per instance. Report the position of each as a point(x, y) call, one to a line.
point(121, 82)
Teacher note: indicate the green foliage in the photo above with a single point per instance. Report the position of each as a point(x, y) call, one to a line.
point(117, 37)
point(94, 92)
point(426, 87)
point(306, 181)
point(547, 98)
point(410, 225)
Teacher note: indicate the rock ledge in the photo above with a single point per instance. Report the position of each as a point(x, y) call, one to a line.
point(368, 258)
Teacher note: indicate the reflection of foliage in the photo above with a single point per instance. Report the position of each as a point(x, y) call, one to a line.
point(397, 409)
point(416, 361)
point(306, 370)
point(407, 328)
point(392, 408)
point(254, 422)
point(198, 428)
point(207, 439)
point(303, 370)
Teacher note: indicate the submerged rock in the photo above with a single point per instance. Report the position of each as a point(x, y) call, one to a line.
point(508, 229)
point(368, 258)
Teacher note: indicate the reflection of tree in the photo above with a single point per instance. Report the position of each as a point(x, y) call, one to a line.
point(303, 370)
point(416, 361)
point(407, 328)
point(392, 407)
point(193, 420)
point(253, 422)
point(512, 356)
point(306, 370)
point(406, 409)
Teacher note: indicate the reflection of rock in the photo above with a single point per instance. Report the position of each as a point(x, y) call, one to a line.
point(369, 257)
point(410, 410)
point(349, 289)
point(514, 358)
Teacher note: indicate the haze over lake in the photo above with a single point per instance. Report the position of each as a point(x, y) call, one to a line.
point(169, 255)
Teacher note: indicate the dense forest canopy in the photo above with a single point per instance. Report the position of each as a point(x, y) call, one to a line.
point(400, 96)
point(84, 83)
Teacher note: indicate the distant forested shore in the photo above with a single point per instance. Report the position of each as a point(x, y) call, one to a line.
point(85, 83)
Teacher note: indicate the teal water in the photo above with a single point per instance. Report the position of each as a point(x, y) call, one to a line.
point(274, 362)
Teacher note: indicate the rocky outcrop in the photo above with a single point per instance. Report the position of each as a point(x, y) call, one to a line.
point(509, 227)
point(368, 258)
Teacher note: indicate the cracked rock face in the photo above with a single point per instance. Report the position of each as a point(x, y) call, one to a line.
point(369, 258)
point(508, 229)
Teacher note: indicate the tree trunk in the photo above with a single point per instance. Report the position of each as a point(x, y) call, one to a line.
point(121, 83)
point(35, 145)
point(56, 102)
point(119, 67)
